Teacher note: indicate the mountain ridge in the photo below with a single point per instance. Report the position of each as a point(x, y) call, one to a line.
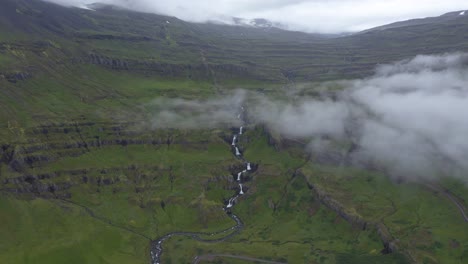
point(450, 17)
point(39, 39)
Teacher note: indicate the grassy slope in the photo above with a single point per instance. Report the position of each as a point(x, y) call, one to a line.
point(62, 90)
point(44, 231)
point(428, 226)
point(298, 230)
point(285, 222)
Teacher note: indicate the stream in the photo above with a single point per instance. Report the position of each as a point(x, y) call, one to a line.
point(156, 247)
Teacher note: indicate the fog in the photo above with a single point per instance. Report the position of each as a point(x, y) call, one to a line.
point(322, 16)
point(410, 118)
point(197, 114)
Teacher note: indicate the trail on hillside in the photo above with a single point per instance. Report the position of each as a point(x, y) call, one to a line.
point(450, 196)
point(209, 257)
point(105, 220)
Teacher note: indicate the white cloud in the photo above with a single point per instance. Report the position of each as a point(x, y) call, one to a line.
point(326, 16)
point(410, 118)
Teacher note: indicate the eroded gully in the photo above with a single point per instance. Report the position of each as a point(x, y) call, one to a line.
point(156, 247)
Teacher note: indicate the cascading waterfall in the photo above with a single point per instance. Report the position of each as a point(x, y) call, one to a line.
point(231, 202)
point(237, 152)
point(156, 245)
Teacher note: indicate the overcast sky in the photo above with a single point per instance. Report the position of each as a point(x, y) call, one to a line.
point(324, 16)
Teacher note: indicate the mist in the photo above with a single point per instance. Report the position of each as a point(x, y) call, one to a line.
point(410, 118)
point(316, 16)
point(197, 114)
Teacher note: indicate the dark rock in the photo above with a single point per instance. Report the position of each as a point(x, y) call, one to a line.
point(16, 76)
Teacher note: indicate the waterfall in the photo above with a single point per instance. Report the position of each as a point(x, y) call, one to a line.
point(156, 245)
point(237, 152)
point(230, 203)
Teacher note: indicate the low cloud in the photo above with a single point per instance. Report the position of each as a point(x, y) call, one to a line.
point(197, 114)
point(322, 16)
point(410, 118)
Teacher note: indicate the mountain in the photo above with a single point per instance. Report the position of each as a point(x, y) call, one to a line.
point(88, 176)
point(267, 52)
point(87, 57)
point(454, 19)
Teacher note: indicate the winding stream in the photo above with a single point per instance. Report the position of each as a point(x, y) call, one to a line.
point(156, 247)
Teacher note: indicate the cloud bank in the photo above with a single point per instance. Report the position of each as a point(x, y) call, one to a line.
point(410, 118)
point(323, 16)
point(197, 114)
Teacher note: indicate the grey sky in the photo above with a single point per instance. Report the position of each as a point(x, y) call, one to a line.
point(326, 16)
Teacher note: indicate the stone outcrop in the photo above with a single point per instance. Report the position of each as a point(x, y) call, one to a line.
point(389, 242)
point(15, 77)
point(154, 67)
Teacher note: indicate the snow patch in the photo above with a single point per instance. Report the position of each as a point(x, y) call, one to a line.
point(86, 7)
point(462, 13)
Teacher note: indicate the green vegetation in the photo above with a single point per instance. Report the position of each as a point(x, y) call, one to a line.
point(428, 226)
point(43, 231)
point(84, 178)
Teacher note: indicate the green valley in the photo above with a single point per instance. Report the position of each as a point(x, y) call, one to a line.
point(87, 176)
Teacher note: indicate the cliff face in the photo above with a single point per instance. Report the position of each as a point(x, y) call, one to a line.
point(389, 242)
point(195, 71)
point(31, 167)
point(351, 215)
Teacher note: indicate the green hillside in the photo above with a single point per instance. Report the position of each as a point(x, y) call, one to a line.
point(85, 178)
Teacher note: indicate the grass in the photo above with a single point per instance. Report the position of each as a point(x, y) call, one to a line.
point(28, 236)
point(158, 189)
point(153, 189)
point(283, 219)
point(425, 224)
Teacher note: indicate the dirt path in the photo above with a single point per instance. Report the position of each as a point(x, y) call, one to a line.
point(450, 196)
point(454, 200)
point(211, 257)
point(103, 219)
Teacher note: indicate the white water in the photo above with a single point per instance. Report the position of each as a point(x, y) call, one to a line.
point(239, 176)
point(237, 152)
point(234, 140)
point(230, 203)
point(241, 191)
point(248, 166)
point(462, 13)
point(238, 116)
point(240, 130)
